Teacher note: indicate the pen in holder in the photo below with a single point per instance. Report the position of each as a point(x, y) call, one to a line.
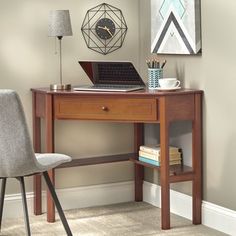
point(154, 75)
point(155, 72)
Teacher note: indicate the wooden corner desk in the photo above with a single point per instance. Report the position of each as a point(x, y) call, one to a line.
point(137, 107)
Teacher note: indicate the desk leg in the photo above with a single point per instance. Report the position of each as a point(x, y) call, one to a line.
point(50, 203)
point(139, 170)
point(165, 184)
point(197, 161)
point(49, 126)
point(37, 148)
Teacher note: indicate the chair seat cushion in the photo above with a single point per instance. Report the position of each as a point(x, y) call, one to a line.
point(51, 160)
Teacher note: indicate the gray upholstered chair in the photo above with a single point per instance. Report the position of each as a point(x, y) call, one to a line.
point(17, 157)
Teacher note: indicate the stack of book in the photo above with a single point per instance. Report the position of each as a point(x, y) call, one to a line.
point(152, 155)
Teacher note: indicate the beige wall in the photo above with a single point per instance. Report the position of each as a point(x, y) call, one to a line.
point(27, 60)
point(213, 72)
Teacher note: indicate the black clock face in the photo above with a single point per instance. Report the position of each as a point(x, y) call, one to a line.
point(105, 28)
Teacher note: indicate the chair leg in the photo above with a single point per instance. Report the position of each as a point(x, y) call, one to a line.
point(4, 180)
point(26, 215)
point(57, 203)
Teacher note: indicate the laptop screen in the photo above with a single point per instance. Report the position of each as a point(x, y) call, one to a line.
point(116, 73)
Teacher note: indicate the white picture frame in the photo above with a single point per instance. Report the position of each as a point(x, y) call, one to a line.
point(176, 27)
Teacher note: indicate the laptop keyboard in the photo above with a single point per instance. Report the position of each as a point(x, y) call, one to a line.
point(114, 86)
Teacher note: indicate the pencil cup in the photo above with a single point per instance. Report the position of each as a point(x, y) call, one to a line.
point(153, 77)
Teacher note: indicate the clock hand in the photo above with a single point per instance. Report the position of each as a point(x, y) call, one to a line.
point(108, 30)
point(105, 28)
point(100, 27)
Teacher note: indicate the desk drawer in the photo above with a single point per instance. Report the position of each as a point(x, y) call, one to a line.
point(126, 109)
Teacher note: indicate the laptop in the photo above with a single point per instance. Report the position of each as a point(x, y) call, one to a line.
point(111, 76)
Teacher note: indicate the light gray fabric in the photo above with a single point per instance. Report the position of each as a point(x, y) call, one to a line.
point(51, 160)
point(17, 157)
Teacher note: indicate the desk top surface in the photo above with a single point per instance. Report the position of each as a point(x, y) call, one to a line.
point(144, 92)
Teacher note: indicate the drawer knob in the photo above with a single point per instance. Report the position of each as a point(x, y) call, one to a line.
point(105, 108)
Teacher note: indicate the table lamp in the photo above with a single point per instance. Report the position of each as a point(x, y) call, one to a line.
point(60, 26)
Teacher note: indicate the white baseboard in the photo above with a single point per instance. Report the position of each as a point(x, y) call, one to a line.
point(213, 216)
point(219, 218)
point(181, 204)
point(72, 198)
point(13, 207)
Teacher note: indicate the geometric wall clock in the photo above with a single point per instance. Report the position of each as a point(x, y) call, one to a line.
point(104, 28)
point(176, 26)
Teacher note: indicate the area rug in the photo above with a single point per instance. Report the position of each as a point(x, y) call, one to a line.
point(126, 219)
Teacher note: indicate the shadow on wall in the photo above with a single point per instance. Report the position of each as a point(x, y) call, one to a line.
point(180, 136)
point(216, 179)
point(180, 73)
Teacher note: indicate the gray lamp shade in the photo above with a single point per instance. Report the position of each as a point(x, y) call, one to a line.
point(59, 23)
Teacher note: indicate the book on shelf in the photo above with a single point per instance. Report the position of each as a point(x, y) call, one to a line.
point(157, 157)
point(158, 163)
point(155, 149)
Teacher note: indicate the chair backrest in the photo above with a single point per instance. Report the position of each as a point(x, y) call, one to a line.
point(17, 157)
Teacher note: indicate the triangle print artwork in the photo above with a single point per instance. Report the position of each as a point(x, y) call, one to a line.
point(176, 27)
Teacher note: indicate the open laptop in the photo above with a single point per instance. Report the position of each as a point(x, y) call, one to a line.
point(111, 76)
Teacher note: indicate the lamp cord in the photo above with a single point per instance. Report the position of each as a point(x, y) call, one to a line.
point(55, 46)
point(60, 61)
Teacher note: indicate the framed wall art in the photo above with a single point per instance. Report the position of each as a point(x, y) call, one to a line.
point(176, 26)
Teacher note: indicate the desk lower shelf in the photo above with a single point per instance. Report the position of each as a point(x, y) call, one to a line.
point(178, 173)
point(97, 160)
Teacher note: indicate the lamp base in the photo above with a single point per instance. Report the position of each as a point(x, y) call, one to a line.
point(60, 86)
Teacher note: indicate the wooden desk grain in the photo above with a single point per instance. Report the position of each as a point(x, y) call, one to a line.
point(136, 107)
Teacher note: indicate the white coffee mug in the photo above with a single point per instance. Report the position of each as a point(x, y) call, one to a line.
point(169, 83)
